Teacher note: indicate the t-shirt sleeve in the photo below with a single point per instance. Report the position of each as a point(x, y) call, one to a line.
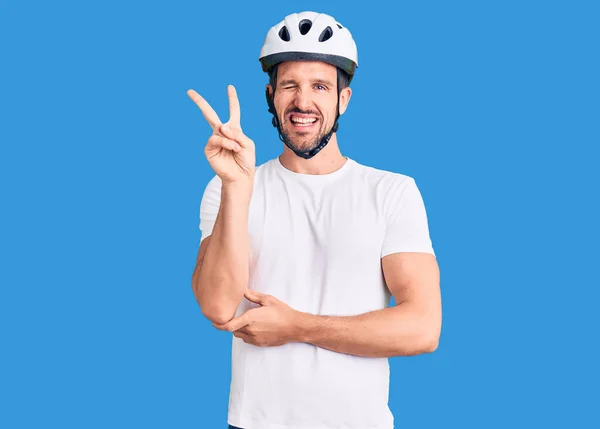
point(209, 207)
point(407, 227)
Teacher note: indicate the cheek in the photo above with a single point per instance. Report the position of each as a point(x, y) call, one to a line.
point(329, 106)
point(281, 103)
point(329, 112)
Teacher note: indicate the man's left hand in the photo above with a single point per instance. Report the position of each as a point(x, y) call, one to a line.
point(274, 323)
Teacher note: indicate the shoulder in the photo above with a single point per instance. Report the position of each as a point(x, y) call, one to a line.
point(385, 179)
point(392, 191)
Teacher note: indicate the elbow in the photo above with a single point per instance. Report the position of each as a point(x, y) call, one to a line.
point(427, 338)
point(430, 344)
point(217, 316)
point(218, 311)
point(423, 344)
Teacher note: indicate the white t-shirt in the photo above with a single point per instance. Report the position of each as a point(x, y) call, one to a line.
point(316, 244)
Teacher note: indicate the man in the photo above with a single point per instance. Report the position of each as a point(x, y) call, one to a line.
point(299, 256)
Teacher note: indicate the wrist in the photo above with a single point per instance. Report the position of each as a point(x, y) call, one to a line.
point(304, 327)
point(239, 189)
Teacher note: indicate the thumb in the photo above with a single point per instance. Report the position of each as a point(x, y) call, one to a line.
point(257, 297)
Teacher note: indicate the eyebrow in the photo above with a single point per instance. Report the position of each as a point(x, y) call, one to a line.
point(293, 81)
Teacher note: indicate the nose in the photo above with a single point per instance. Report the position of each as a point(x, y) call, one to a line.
point(302, 100)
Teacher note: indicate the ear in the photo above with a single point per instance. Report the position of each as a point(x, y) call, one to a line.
point(345, 96)
point(269, 98)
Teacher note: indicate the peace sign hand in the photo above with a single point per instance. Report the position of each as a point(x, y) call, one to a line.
point(229, 152)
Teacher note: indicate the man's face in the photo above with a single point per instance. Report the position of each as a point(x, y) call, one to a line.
point(306, 101)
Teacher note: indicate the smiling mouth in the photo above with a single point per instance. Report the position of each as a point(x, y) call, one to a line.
point(303, 122)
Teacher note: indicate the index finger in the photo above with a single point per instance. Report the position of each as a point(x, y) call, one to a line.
point(234, 107)
point(209, 114)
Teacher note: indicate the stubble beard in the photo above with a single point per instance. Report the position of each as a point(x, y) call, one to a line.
point(301, 141)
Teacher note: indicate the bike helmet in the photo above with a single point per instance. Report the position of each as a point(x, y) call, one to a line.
point(310, 36)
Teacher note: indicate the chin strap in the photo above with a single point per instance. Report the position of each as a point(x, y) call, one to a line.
point(310, 153)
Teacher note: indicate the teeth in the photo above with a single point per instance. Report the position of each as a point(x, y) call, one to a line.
point(303, 120)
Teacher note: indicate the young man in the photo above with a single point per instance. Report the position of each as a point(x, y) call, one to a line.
point(299, 256)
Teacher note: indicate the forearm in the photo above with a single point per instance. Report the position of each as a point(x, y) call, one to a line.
point(222, 278)
point(402, 330)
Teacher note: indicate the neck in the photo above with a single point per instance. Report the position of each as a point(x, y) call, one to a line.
point(327, 161)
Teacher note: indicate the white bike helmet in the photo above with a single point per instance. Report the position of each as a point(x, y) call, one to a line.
point(310, 36)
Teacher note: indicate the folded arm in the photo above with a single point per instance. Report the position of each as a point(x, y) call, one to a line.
point(411, 327)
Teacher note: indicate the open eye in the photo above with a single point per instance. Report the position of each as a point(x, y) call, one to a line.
point(320, 87)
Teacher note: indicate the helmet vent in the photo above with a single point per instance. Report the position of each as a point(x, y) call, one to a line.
point(305, 26)
point(339, 26)
point(284, 34)
point(326, 34)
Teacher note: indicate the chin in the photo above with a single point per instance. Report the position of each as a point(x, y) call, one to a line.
point(303, 147)
point(302, 140)
point(302, 144)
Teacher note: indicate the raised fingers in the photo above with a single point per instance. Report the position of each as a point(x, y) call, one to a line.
point(209, 114)
point(234, 107)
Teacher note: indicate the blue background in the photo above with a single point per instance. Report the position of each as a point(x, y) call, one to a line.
point(492, 106)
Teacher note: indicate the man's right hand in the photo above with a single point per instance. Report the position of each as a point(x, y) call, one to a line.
point(229, 152)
